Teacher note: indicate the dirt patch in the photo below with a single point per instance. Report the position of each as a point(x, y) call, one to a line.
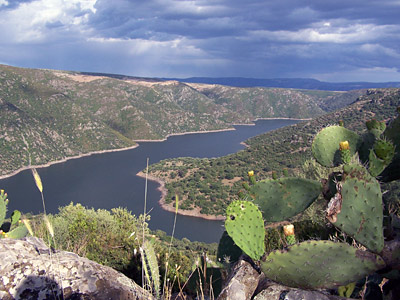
point(231, 182)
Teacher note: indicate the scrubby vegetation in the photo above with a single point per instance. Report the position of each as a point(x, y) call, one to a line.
point(113, 238)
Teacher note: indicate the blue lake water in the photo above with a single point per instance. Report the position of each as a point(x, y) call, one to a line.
point(109, 180)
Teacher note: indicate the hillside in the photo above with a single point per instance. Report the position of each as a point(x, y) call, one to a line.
point(293, 83)
point(209, 185)
point(48, 115)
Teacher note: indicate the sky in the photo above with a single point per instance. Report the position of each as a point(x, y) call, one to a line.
point(328, 40)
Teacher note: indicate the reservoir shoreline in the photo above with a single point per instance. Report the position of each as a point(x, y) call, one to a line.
point(110, 180)
point(136, 145)
point(169, 207)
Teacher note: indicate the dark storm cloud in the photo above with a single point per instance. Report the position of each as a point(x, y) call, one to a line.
point(331, 40)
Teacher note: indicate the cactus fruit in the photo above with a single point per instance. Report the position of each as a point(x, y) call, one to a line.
point(288, 231)
point(325, 145)
point(319, 264)
point(245, 225)
point(357, 208)
point(345, 155)
point(285, 197)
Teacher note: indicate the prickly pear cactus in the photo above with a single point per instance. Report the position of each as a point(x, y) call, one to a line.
point(375, 127)
point(320, 264)
point(392, 133)
point(15, 217)
point(245, 226)
point(357, 208)
point(384, 149)
point(3, 206)
point(285, 197)
point(17, 230)
point(375, 164)
point(325, 147)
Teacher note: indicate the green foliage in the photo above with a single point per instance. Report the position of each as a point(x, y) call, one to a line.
point(113, 238)
point(150, 266)
point(319, 264)
point(245, 225)
point(107, 237)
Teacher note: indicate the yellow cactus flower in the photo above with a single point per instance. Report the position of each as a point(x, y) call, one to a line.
point(288, 230)
point(250, 173)
point(38, 181)
point(344, 145)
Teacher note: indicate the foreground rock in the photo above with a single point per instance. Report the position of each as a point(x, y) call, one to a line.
point(246, 283)
point(29, 270)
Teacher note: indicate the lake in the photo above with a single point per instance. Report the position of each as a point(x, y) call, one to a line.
point(109, 180)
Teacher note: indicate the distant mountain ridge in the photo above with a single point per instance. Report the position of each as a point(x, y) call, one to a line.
point(294, 83)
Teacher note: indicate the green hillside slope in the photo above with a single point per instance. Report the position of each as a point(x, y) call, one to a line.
point(48, 115)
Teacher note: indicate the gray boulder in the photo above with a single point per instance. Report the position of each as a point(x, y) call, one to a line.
point(30, 270)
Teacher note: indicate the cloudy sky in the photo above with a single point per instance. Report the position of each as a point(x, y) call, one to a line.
point(330, 40)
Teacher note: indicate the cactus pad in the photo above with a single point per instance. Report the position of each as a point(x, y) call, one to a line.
point(245, 226)
point(15, 216)
point(285, 197)
point(384, 150)
point(360, 213)
point(392, 132)
point(374, 125)
point(376, 165)
point(320, 264)
point(3, 206)
point(18, 232)
point(325, 147)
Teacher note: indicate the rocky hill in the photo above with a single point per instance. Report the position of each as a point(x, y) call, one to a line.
point(48, 115)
